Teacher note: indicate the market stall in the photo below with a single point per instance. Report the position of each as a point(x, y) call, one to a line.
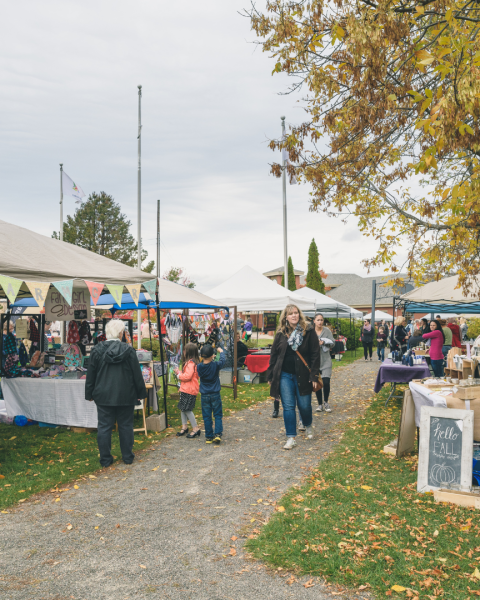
point(66, 281)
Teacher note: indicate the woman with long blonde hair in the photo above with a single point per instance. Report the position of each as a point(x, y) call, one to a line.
point(293, 372)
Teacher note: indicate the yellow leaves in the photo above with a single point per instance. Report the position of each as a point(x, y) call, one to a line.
point(143, 567)
point(476, 574)
point(280, 509)
point(69, 526)
point(366, 487)
point(424, 57)
point(398, 588)
point(277, 68)
point(392, 97)
point(448, 15)
point(75, 487)
point(420, 9)
point(12, 438)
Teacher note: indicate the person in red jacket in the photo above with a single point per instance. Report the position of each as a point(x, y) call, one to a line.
point(456, 334)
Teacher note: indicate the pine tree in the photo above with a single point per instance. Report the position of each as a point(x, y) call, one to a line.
point(99, 226)
point(314, 279)
point(292, 286)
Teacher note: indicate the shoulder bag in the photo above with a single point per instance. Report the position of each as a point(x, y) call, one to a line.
point(317, 385)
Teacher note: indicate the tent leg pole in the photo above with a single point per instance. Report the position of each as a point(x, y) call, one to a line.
point(235, 358)
point(160, 340)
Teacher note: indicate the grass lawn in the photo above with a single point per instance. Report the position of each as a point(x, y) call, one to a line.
point(359, 522)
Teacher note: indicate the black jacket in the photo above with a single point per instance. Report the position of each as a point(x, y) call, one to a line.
point(368, 336)
point(114, 377)
point(309, 349)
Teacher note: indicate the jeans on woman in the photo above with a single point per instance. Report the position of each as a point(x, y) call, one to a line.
point(381, 353)
point(322, 395)
point(369, 346)
point(437, 366)
point(290, 396)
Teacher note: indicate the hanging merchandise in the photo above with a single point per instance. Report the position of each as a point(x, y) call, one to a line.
point(100, 338)
point(73, 336)
point(85, 333)
point(11, 367)
point(23, 355)
point(9, 344)
point(73, 357)
point(173, 324)
point(34, 335)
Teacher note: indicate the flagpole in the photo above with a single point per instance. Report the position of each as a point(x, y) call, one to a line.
point(139, 208)
point(284, 188)
point(61, 201)
point(158, 239)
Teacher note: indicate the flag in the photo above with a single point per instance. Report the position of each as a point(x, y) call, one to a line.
point(286, 163)
point(70, 188)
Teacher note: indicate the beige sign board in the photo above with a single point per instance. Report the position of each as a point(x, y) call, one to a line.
point(58, 309)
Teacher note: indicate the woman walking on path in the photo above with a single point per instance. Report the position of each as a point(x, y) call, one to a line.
point(367, 336)
point(189, 386)
point(437, 339)
point(326, 341)
point(294, 370)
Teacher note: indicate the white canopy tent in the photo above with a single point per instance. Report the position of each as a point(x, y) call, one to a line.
point(328, 306)
point(443, 291)
point(380, 316)
point(250, 291)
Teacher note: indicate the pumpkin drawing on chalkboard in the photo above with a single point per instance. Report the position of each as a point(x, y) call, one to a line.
point(442, 474)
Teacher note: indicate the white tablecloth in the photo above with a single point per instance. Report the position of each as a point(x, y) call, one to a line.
point(56, 401)
point(424, 397)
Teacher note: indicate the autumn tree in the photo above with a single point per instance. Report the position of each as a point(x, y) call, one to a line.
point(314, 279)
point(392, 95)
point(98, 225)
point(178, 275)
point(292, 284)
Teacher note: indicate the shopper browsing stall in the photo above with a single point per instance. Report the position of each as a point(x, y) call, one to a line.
point(381, 343)
point(326, 342)
point(294, 370)
point(189, 387)
point(208, 371)
point(115, 383)
point(456, 333)
point(437, 340)
point(400, 335)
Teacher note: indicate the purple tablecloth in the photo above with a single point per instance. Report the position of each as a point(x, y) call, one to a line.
point(395, 373)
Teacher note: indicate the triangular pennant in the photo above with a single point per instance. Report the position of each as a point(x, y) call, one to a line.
point(10, 287)
point(65, 288)
point(95, 290)
point(134, 290)
point(116, 291)
point(39, 290)
point(151, 287)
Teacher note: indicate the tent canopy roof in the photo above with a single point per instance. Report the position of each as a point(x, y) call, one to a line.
point(324, 303)
point(30, 256)
point(250, 291)
point(380, 316)
point(443, 297)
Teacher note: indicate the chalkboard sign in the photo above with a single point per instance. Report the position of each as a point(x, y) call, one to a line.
point(269, 322)
point(446, 449)
point(79, 315)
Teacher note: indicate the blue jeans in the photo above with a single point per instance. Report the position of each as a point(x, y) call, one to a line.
point(212, 403)
point(290, 395)
point(381, 353)
point(437, 366)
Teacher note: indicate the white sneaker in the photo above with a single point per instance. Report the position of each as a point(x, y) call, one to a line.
point(301, 426)
point(327, 407)
point(310, 433)
point(291, 443)
point(319, 408)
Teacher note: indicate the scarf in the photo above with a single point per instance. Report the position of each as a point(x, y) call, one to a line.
point(367, 327)
point(296, 338)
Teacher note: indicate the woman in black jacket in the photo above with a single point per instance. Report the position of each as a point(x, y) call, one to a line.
point(400, 335)
point(287, 374)
point(367, 337)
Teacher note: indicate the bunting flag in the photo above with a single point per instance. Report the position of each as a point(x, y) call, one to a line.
point(116, 291)
point(39, 290)
point(10, 286)
point(65, 288)
point(134, 291)
point(151, 287)
point(95, 290)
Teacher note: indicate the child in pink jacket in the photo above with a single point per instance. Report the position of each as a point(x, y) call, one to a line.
point(189, 386)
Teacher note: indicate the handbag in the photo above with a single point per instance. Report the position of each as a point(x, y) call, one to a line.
point(317, 385)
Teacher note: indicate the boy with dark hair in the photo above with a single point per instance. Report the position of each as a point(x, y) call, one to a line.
point(208, 371)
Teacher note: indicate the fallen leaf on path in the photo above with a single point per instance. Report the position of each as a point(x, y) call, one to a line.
point(92, 476)
point(22, 500)
point(69, 526)
point(234, 538)
point(215, 483)
point(99, 515)
point(233, 552)
point(57, 499)
point(308, 584)
point(75, 487)
point(143, 567)
point(155, 468)
point(291, 580)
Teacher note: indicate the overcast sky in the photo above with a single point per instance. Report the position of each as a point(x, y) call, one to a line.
point(69, 79)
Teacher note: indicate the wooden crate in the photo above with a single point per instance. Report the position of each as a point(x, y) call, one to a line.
point(468, 393)
point(82, 429)
point(470, 499)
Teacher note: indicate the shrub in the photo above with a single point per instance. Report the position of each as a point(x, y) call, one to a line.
point(473, 330)
point(154, 346)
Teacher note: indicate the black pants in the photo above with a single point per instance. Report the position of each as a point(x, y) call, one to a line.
point(107, 416)
point(368, 345)
point(322, 395)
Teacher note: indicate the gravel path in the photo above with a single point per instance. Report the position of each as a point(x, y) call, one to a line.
point(163, 527)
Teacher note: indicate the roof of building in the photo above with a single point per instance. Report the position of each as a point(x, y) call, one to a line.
point(280, 271)
point(354, 290)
